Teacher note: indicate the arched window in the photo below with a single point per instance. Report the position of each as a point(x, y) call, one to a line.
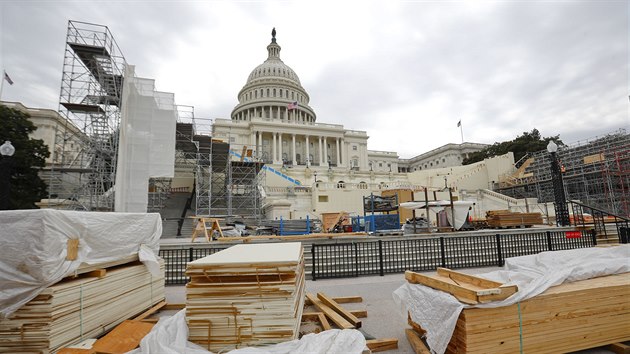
point(363, 185)
point(274, 92)
point(341, 184)
point(267, 92)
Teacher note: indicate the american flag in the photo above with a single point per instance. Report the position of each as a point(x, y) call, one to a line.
point(292, 105)
point(6, 77)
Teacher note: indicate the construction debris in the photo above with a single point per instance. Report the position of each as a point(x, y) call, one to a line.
point(246, 295)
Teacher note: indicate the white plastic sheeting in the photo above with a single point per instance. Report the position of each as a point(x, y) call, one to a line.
point(437, 311)
point(461, 209)
point(169, 336)
point(33, 247)
point(146, 146)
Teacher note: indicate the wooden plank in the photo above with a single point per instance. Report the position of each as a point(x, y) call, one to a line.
point(360, 313)
point(173, 306)
point(381, 345)
point(125, 337)
point(98, 273)
point(467, 278)
point(330, 313)
point(340, 310)
point(416, 343)
point(73, 249)
point(465, 295)
point(619, 348)
point(324, 321)
point(150, 311)
point(344, 299)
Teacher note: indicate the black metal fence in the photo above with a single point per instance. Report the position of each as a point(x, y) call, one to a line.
point(354, 259)
point(176, 259)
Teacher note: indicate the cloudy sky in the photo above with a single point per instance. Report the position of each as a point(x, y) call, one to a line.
point(404, 71)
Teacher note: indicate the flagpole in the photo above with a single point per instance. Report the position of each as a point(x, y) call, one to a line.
point(461, 130)
point(2, 84)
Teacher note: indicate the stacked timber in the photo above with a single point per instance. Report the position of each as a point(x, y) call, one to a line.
point(506, 218)
point(82, 307)
point(565, 318)
point(246, 295)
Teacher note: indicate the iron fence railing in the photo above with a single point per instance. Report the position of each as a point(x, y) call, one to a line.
point(175, 261)
point(355, 259)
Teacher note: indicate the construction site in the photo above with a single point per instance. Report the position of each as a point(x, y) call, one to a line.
point(163, 233)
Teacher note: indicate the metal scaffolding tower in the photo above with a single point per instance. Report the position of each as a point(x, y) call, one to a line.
point(85, 150)
point(595, 172)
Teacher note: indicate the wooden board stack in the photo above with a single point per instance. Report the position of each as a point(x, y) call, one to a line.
point(78, 308)
point(246, 295)
point(565, 318)
point(506, 218)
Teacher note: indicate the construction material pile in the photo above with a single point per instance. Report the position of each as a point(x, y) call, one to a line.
point(565, 318)
point(506, 218)
point(246, 295)
point(566, 301)
point(82, 307)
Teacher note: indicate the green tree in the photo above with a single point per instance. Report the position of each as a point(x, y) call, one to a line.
point(522, 145)
point(30, 156)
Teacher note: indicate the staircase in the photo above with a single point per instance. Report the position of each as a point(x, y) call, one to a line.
point(268, 168)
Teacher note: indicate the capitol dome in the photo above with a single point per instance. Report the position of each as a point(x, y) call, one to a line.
point(273, 91)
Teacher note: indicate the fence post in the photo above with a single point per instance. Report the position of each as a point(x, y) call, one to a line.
point(356, 260)
point(313, 262)
point(190, 255)
point(594, 237)
point(549, 245)
point(380, 256)
point(499, 251)
point(443, 251)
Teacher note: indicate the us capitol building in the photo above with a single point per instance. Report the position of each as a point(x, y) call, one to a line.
point(274, 120)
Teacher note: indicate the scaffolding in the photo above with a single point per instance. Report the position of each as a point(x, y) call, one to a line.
point(595, 172)
point(83, 167)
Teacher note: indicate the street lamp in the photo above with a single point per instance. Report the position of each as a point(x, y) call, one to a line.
point(560, 202)
point(6, 150)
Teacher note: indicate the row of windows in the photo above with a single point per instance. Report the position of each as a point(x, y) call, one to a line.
point(273, 71)
point(254, 94)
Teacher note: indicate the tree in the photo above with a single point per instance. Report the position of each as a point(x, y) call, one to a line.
point(521, 146)
point(30, 156)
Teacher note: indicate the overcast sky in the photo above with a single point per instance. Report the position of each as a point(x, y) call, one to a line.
point(404, 71)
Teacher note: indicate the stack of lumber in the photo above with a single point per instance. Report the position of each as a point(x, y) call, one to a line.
point(564, 318)
point(506, 218)
point(246, 295)
point(82, 307)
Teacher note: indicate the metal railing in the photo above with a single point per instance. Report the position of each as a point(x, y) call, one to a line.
point(176, 260)
point(355, 259)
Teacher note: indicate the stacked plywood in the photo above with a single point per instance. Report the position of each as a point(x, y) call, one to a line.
point(506, 218)
point(78, 308)
point(246, 295)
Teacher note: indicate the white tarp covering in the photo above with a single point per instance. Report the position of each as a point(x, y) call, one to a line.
point(170, 336)
point(146, 146)
point(33, 247)
point(437, 311)
point(461, 209)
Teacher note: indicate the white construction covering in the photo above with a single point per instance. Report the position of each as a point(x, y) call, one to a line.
point(34, 246)
point(170, 336)
point(146, 145)
point(437, 311)
point(461, 209)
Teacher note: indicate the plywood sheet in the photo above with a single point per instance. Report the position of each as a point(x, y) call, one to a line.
point(273, 253)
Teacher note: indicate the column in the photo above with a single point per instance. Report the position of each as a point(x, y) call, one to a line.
point(293, 150)
point(337, 145)
point(321, 162)
point(343, 152)
point(273, 149)
point(325, 151)
point(280, 147)
point(308, 151)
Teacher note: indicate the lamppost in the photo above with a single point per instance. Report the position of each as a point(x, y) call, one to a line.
point(6, 150)
point(560, 202)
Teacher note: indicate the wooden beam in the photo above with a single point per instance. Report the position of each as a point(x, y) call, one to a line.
point(416, 343)
point(125, 337)
point(360, 313)
point(324, 321)
point(150, 311)
point(98, 273)
point(381, 345)
point(174, 306)
point(465, 295)
point(619, 348)
point(330, 313)
point(467, 278)
point(72, 249)
point(340, 310)
point(343, 299)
